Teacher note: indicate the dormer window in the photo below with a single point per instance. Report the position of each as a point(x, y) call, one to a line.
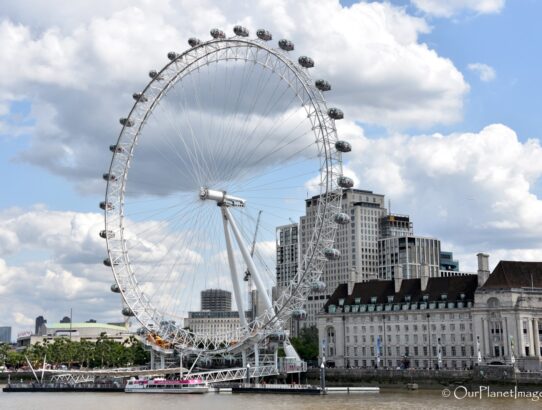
point(341, 302)
point(373, 299)
point(462, 296)
point(357, 301)
point(444, 296)
point(425, 298)
point(390, 299)
point(407, 298)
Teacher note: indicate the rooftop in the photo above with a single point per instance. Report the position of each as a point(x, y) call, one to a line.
point(384, 291)
point(67, 326)
point(515, 274)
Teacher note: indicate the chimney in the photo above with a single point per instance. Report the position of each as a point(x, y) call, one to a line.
point(483, 268)
point(398, 278)
point(351, 281)
point(424, 277)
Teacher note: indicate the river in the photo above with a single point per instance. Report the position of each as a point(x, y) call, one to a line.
point(386, 399)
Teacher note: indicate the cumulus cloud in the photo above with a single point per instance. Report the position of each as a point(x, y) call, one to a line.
point(484, 71)
point(78, 67)
point(448, 8)
point(52, 261)
point(473, 190)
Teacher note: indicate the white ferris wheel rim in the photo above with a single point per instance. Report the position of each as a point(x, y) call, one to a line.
point(322, 235)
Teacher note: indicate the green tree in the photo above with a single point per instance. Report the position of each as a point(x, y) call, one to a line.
point(306, 343)
point(4, 349)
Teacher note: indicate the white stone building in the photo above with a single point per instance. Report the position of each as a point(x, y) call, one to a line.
point(507, 315)
point(448, 321)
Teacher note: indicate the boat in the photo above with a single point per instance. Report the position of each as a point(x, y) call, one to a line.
point(161, 385)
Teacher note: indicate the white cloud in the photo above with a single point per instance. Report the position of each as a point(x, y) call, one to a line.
point(484, 71)
point(473, 190)
point(78, 67)
point(448, 8)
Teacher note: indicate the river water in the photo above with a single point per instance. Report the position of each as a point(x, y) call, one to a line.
point(386, 399)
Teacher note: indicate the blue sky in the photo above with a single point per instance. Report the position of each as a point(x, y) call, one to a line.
point(425, 128)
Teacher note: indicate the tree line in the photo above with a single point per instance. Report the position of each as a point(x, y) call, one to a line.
point(104, 352)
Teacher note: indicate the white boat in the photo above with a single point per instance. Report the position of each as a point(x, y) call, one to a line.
point(161, 385)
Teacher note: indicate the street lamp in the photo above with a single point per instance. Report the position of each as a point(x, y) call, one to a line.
point(248, 373)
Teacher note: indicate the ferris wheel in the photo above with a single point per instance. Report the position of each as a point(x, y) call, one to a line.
point(230, 138)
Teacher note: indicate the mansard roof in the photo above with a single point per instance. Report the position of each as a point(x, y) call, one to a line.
point(452, 286)
point(512, 274)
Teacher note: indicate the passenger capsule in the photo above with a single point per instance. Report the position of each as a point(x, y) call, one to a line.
point(240, 31)
point(277, 337)
point(332, 254)
point(127, 122)
point(106, 206)
point(264, 35)
point(345, 182)
point(115, 148)
point(193, 42)
point(139, 97)
point(343, 146)
point(318, 286)
point(216, 33)
point(322, 85)
point(299, 314)
point(306, 62)
point(127, 311)
point(154, 74)
point(335, 114)
point(115, 288)
point(107, 262)
point(109, 177)
point(286, 45)
point(172, 55)
point(107, 234)
point(341, 218)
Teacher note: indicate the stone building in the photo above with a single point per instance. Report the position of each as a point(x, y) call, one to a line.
point(421, 323)
point(507, 315)
point(448, 321)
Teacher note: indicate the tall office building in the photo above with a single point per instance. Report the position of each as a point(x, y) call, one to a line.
point(5, 334)
point(357, 242)
point(373, 245)
point(287, 254)
point(409, 254)
point(216, 300)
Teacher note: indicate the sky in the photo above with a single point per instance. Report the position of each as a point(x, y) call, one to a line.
point(441, 102)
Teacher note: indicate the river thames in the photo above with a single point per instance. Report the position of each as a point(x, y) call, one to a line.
point(400, 399)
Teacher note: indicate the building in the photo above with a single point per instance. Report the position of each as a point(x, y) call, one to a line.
point(408, 256)
point(5, 334)
point(357, 242)
point(40, 326)
point(423, 323)
point(75, 332)
point(447, 262)
point(507, 314)
point(287, 241)
point(392, 225)
point(216, 300)
point(214, 322)
point(448, 321)
point(375, 244)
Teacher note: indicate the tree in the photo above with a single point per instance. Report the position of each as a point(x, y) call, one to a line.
point(4, 349)
point(306, 343)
